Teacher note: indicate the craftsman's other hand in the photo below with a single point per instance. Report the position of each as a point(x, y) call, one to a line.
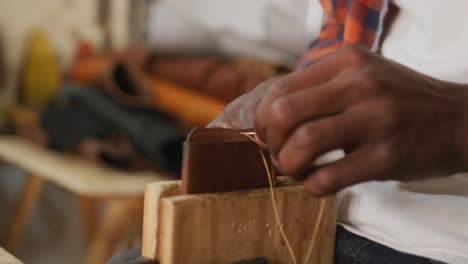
point(393, 122)
point(240, 113)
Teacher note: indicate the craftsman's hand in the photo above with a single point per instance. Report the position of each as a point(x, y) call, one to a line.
point(240, 113)
point(393, 122)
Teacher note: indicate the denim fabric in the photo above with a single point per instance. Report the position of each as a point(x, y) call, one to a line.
point(133, 256)
point(353, 249)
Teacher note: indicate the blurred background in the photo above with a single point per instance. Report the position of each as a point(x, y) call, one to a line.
point(118, 84)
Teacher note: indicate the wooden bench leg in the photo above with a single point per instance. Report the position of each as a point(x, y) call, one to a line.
point(88, 217)
point(23, 209)
point(116, 219)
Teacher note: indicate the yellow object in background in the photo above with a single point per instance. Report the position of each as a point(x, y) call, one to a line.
point(41, 76)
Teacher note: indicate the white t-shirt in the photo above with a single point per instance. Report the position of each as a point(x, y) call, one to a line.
point(276, 30)
point(427, 218)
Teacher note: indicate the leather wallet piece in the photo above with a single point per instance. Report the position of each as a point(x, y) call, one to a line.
point(222, 160)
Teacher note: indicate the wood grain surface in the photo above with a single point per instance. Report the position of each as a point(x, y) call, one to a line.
point(227, 227)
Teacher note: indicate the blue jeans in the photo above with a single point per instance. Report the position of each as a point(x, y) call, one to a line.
point(349, 249)
point(353, 249)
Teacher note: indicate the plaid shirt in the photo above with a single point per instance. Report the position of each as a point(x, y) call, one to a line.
point(348, 22)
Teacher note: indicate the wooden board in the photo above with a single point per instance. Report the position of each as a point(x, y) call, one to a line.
point(7, 258)
point(153, 194)
point(228, 227)
point(74, 173)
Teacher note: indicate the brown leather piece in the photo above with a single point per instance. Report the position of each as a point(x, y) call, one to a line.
point(222, 160)
point(221, 78)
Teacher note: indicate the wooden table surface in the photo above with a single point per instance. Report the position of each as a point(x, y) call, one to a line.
point(74, 173)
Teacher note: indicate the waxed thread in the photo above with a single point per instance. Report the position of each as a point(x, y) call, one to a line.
point(275, 212)
point(316, 228)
